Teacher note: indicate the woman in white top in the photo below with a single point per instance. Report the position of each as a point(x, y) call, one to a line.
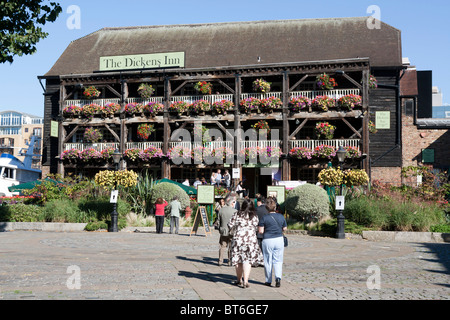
point(213, 178)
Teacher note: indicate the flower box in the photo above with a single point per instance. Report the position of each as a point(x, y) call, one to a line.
point(71, 111)
point(250, 104)
point(350, 102)
point(323, 103)
point(90, 110)
point(153, 108)
point(221, 107)
point(324, 152)
point(301, 153)
point(133, 108)
point(179, 107)
point(296, 104)
point(200, 106)
point(110, 109)
point(270, 104)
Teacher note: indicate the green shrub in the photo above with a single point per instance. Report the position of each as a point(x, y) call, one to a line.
point(167, 191)
point(443, 228)
point(62, 210)
point(20, 212)
point(307, 202)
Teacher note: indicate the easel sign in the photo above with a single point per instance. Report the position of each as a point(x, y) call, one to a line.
point(205, 195)
point(201, 216)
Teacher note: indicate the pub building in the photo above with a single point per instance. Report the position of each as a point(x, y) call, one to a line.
point(136, 89)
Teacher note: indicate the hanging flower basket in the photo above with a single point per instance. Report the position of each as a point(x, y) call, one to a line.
point(373, 83)
point(145, 90)
point(355, 177)
point(222, 106)
point(331, 177)
point(261, 85)
point(203, 87)
point(153, 108)
point(250, 104)
point(350, 102)
point(372, 128)
point(323, 103)
point(261, 125)
point(110, 109)
point(91, 92)
point(324, 130)
point(352, 153)
point(92, 135)
point(297, 104)
point(144, 131)
point(270, 104)
point(325, 82)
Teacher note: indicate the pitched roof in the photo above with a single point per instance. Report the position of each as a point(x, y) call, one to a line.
point(239, 43)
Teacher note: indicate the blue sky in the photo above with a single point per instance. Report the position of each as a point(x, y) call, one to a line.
point(425, 36)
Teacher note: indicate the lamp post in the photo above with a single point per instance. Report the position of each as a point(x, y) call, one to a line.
point(340, 234)
point(117, 156)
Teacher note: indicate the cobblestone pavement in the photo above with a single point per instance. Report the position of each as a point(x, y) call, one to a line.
point(129, 265)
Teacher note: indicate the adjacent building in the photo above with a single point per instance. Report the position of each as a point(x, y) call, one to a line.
point(18, 132)
point(362, 67)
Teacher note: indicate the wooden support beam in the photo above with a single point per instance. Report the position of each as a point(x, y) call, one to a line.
point(229, 135)
point(351, 127)
point(65, 139)
point(358, 85)
point(298, 129)
point(298, 83)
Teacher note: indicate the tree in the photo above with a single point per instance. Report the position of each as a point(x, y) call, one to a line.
point(21, 26)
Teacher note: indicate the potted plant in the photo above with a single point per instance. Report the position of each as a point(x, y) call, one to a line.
point(222, 106)
point(70, 156)
point(71, 111)
point(271, 103)
point(373, 83)
point(110, 109)
point(92, 135)
point(261, 85)
point(132, 155)
point(145, 90)
point(144, 131)
point(331, 177)
point(153, 108)
point(301, 153)
point(325, 82)
point(89, 110)
point(299, 103)
point(350, 101)
point(203, 87)
point(372, 128)
point(150, 153)
point(133, 108)
point(200, 106)
point(324, 152)
point(250, 104)
point(323, 103)
point(352, 153)
point(179, 107)
point(324, 130)
point(91, 92)
point(90, 155)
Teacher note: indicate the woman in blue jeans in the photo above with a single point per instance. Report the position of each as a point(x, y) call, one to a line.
point(272, 226)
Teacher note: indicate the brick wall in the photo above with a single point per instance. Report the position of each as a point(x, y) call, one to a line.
point(391, 175)
point(414, 140)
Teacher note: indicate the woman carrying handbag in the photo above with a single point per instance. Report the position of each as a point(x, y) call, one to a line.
point(272, 226)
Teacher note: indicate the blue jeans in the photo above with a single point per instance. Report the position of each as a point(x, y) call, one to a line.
point(273, 250)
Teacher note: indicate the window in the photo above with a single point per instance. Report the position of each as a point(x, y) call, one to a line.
point(409, 107)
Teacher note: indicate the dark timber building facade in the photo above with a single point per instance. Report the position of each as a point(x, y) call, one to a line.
point(231, 56)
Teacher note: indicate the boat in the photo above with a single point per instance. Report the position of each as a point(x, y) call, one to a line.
point(14, 171)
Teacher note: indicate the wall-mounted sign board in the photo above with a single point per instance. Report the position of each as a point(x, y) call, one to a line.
point(143, 61)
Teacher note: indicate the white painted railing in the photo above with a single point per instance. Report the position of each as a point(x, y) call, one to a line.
point(143, 145)
point(260, 143)
point(210, 98)
point(312, 144)
point(335, 94)
point(261, 95)
point(145, 101)
point(101, 102)
point(96, 146)
point(210, 145)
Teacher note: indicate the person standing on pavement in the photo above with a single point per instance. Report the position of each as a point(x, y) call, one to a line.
point(245, 250)
point(223, 218)
point(175, 209)
point(261, 210)
point(160, 205)
point(272, 226)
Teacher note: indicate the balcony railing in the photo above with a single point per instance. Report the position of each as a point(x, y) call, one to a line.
point(335, 94)
point(312, 144)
